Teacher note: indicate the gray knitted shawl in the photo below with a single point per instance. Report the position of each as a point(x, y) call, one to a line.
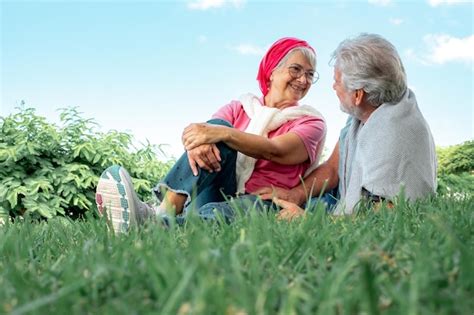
point(393, 149)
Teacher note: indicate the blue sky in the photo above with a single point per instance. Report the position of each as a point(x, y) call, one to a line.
point(152, 67)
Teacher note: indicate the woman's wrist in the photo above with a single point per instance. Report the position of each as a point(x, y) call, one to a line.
point(223, 134)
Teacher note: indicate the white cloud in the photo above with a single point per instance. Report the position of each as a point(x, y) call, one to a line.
point(435, 3)
point(395, 21)
point(210, 4)
point(380, 2)
point(445, 48)
point(246, 49)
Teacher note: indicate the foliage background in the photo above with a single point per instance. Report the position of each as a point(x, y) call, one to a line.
point(456, 169)
point(50, 170)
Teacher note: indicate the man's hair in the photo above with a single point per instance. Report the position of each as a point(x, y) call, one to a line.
point(371, 63)
point(308, 53)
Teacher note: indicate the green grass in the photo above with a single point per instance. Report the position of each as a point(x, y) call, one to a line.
point(414, 259)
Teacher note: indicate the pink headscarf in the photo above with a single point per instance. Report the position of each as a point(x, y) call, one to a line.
point(274, 55)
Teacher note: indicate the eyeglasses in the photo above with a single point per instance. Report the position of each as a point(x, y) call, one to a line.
point(297, 71)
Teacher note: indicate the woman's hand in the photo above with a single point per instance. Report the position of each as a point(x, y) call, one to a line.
point(197, 134)
point(289, 210)
point(205, 156)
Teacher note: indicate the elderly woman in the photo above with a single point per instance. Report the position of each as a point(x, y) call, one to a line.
point(250, 143)
point(386, 146)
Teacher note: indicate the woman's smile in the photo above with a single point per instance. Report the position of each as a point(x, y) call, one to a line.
point(297, 88)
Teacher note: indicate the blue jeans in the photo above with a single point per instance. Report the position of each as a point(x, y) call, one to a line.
point(244, 203)
point(229, 209)
point(328, 199)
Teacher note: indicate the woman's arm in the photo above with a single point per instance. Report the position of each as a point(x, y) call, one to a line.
point(286, 149)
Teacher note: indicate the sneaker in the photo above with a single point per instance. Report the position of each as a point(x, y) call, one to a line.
point(116, 199)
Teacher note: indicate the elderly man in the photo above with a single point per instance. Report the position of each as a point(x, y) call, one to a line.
point(386, 145)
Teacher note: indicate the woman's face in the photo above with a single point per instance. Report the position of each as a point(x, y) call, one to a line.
point(284, 86)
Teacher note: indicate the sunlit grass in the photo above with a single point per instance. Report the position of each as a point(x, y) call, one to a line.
point(414, 259)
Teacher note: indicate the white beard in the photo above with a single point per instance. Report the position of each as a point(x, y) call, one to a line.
point(346, 108)
point(350, 109)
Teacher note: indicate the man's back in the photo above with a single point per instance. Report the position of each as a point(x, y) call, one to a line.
point(393, 148)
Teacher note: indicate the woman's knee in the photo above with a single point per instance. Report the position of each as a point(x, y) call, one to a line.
point(219, 121)
point(227, 153)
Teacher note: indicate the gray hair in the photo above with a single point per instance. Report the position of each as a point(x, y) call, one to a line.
point(371, 63)
point(308, 53)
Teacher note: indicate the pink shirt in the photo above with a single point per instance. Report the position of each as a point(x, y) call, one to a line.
point(266, 173)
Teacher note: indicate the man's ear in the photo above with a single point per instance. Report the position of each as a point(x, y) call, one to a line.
point(359, 95)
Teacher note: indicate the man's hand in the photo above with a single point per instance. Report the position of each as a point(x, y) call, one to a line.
point(267, 193)
point(205, 156)
point(293, 195)
point(289, 210)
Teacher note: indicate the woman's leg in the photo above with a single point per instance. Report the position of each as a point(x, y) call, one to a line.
point(180, 186)
point(329, 200)
point(229, 209)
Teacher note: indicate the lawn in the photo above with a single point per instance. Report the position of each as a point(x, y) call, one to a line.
point(413, 259)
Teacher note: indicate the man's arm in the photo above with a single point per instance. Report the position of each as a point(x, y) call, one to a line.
point(324, 177)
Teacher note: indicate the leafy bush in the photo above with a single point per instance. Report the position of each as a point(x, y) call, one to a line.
point(48, 170)
point(456, 159)
point(456, 169)
point(456, 184)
